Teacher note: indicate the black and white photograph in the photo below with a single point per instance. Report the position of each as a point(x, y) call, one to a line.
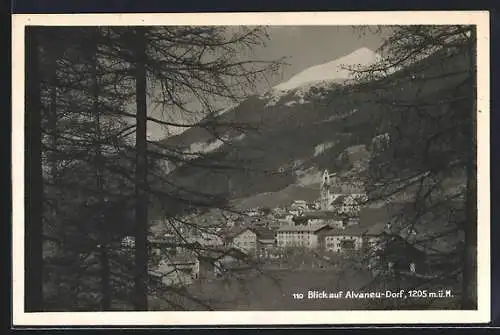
point(199, 164)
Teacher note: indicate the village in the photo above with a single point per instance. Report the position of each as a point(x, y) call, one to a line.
point(302, 235)
point(238, 167)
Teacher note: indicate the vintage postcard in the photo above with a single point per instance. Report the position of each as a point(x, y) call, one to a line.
point(251, 168)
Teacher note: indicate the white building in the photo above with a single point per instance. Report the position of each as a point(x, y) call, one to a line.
point(380, 142)
point(299, 205)
point(232, 259)
point(208, 239)
point(128, 242)
point(349, 204)
point(252, 212)
point(178, 270)
point(284, 219)
point(299, 236)
point(356, 234)
point(340, 240)
point(250, 239)
point(244, 239)
point(315, 218)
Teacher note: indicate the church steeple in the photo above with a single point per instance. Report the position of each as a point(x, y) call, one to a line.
point(325, 191)
point(325, 180)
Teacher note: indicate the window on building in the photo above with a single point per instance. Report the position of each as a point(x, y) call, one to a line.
point(348, 245)
point(388, 227)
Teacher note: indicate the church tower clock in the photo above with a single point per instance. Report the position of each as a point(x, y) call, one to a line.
point(325, 197)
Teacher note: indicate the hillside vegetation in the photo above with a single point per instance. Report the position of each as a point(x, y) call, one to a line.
point(281, 141)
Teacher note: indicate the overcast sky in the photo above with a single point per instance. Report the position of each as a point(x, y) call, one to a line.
point(303, 47)
point(306, 46)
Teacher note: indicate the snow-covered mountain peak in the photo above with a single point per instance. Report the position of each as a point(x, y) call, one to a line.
point(336, 70)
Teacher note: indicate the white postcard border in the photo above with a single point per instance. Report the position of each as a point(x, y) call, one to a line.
point(479, 18)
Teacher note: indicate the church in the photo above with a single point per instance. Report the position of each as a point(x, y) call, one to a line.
point(341, 196)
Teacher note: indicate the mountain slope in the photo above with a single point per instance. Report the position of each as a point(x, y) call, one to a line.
point(329, 125)
point(336, 70)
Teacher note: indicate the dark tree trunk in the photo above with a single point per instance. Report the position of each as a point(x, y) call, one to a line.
point(52, 120)
point(141, 210)
point(469, 271)
point(33, 179)
point(52, 117)
point(103, 243)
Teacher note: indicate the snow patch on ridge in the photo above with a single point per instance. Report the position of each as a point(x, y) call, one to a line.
point(321, 148)
point(225, 110)
point(334, 70)
point(205, 147)
point(321, 77)
point(239, 137)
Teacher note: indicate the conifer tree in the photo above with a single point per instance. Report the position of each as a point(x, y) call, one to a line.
point(424, 90)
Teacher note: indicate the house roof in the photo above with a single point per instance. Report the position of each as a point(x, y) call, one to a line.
point(181, 259)
point(303, 228)
point(264, 234)
point(282, 215)
point(155, 274)
point(166, 242)
point(232, 252)
point(339, 200)
point(235, 231)
point(354, 230)
point(371, 222)
point(325, 215)
point(349, 197)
